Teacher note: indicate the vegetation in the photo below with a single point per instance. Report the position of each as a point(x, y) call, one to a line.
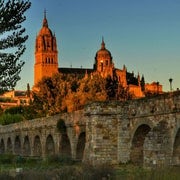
point(67, 93)
point(56, 167)
point(6, 119)
point(17, 114)
point(11, 41)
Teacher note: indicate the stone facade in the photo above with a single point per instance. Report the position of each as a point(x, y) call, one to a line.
point(144, 131)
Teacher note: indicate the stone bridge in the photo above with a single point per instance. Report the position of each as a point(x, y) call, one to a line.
point(144, 131)
point(41, 137)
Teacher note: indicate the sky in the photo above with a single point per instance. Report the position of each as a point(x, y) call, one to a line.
point(143, 35)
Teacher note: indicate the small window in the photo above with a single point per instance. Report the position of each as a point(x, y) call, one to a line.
point(101, 66)
point(106, 62)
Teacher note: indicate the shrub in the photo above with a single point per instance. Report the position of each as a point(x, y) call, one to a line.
point(20, 160)
point(7, 158)
point(98, 172)
point(62, 159)
point(14, 110)
point(6, 119)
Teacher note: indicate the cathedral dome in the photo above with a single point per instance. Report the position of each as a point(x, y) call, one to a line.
point(103, 52)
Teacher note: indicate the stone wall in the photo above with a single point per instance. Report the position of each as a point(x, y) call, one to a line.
point(133, 131)
point(40, 137)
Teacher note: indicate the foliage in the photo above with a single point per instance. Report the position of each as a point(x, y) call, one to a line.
point(27, 112)
point(142, 84)
point(1, 110)
point(123, 94)
point(14, 110)
point(131, 79)
point(67, 93)
point(111, 87)
point(60, 159)
point(6, 158)
point(57, 167)
point(28, 90)
point(6, 119)
point(11, 41)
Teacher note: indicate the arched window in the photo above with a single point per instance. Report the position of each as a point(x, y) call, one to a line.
point(101, 66)
point(106, 62)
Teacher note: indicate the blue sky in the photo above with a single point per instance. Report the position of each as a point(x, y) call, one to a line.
point(142, 34)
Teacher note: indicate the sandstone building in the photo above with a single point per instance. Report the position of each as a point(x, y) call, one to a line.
point(46, 64)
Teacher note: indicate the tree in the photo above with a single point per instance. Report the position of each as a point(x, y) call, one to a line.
point(142, 84)
point(111, 87)
point(12, 41)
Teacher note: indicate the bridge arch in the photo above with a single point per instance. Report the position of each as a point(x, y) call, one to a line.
point(158, 145)
point(2, 146)
point(65, 146)
point(50, 146)
point(26, 146)
point(17, 145)
point(137, 141)
point(37, 146)
point(81, 146)
point(9, 146)
point(139, 122)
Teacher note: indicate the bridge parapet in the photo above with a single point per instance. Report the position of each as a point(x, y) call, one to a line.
point(70, 119)
point(160, 104)
point(41, 137)
point(150, 106)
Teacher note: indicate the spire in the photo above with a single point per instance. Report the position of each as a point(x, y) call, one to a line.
point(45, 22)
point(102, 44)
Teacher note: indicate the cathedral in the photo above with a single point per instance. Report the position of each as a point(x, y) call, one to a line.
point(46, 64)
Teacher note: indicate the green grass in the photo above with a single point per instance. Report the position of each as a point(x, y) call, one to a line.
point(131, 172)
point(59, 167)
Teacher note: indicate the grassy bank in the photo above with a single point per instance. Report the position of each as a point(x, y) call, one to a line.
point(63, 168)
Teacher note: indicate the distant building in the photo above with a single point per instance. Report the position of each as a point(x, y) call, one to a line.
point(14, 98)
point(46, 64)
point(154, 87)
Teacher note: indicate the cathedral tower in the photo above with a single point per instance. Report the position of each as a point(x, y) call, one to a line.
point(103, 61)
point(46, 54)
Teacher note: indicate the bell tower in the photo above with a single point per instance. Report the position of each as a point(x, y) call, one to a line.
point(103, 61)
point(46, 54)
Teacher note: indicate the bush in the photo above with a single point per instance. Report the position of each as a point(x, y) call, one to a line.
point(98, 172)
point(7, 158)
point(20, 160)
point(64, 160)
point(6, 119)
point(14, 110)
